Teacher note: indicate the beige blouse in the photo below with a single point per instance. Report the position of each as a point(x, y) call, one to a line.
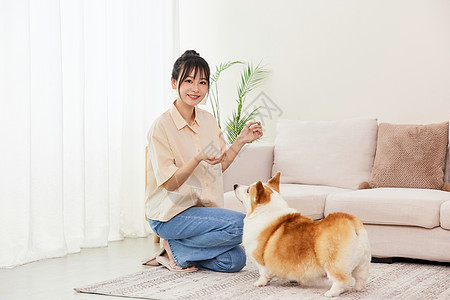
point(171, 143)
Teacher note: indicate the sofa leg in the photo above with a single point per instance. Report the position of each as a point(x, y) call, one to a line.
point(156, 239)
point(382, 260)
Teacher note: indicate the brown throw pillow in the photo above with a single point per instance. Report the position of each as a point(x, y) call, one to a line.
point(410, 156)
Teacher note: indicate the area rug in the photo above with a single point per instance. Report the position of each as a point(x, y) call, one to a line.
point(387, 281)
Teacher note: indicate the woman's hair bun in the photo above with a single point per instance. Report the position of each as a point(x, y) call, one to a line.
point(190, 52)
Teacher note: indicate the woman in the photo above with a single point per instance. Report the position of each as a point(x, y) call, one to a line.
point(187, 155)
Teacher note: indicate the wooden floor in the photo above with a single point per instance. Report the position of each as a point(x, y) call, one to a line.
point(56, 278)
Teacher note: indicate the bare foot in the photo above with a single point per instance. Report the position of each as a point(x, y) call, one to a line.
point(168, 254)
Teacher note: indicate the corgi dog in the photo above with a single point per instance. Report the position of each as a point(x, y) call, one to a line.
point(285, 244)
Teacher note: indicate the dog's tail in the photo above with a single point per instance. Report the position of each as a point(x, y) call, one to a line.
point(360, 231)
point(359, 227)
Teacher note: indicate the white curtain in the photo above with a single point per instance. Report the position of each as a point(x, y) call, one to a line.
point(80, 84)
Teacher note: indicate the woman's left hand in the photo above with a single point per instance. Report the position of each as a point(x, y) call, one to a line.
point(251, 131)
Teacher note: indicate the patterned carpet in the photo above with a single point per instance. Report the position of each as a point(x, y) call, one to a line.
point(387, 281)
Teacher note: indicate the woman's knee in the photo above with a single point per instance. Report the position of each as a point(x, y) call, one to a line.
point(233, 260)
point(153, 226)
point(236, 226)
point(239, 260)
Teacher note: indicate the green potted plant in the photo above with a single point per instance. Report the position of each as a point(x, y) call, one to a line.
point(251, 77)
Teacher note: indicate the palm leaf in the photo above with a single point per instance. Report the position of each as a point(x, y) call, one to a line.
point(213, 94)
point(251, 78)
point(235, 124)
point(222, 67)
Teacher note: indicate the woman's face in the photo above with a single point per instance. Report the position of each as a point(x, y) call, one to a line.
point(192, 90)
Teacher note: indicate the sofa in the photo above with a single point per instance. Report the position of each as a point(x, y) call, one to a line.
point(393, 177)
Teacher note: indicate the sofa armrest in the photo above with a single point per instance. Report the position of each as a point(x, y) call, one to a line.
point(253, 163)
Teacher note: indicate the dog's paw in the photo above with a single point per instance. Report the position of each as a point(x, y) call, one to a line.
point(330, 294)
point(261, 281)
point(359, 286)
point(333, 293)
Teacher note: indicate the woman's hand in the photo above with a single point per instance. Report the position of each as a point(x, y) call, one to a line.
point(182, 174)
point(210, 159)
point(251, 131)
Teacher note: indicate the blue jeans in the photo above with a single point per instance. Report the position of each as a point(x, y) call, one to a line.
point(206, 237)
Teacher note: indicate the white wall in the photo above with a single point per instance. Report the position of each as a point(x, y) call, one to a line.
point(331, 59)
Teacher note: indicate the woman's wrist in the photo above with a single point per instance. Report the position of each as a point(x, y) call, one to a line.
point(240, 142)
point(198, 158)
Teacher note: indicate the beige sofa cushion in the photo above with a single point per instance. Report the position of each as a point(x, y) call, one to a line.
point(333, 153)
point(231, 202)
point(309, 200)
point(410, 156)
point(391, 206)
point(254, 162)
point(445, 215)
point(409, 241)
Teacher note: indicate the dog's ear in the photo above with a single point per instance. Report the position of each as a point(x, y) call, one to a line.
point(261, 194)
point(274, 182)
point(259, 191)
